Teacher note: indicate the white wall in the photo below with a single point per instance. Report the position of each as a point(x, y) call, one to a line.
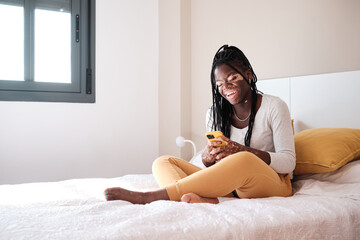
point(174, 76)
point(281, 39)
point(115, 136)
point(169, 76)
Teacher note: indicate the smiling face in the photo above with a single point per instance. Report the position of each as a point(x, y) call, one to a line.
point(232, 86)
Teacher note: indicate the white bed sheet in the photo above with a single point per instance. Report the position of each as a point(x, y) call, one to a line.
point(324, 206)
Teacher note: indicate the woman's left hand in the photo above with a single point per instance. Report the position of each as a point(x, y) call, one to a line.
point(230, 148)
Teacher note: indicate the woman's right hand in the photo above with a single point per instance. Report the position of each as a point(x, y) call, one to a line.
point(209, 159)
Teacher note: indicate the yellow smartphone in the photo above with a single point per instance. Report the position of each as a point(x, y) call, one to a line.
point(211, 136)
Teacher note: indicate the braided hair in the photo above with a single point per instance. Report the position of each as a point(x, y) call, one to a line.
point(221, 109)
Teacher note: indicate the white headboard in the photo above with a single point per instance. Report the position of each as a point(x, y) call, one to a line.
point(316, 101)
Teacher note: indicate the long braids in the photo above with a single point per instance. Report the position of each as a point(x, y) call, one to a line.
point(222, 109)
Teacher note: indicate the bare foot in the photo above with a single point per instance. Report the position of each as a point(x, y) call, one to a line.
point(118, 193)
point(194, 198)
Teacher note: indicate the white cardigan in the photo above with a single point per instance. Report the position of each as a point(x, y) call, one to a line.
point(272, 132)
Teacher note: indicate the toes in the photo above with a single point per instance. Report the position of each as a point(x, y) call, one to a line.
point(111, 190)
point(191, 198)
point(106, 192)
point(186, 198)
point(194, 198)
point(110, 194)
point(110, 198)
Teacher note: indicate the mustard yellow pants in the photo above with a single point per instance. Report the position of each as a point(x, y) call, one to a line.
point(244, 172)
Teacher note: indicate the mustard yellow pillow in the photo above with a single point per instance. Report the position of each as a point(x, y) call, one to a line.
point(325, 149)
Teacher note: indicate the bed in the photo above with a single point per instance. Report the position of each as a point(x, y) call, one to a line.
point(324, 206)
point(325, 202)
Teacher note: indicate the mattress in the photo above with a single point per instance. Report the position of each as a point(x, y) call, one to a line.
point(323, 206)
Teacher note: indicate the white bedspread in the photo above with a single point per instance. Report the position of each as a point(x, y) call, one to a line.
point(324, 206)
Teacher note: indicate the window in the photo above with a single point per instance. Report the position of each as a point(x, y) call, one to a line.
point(47, 50)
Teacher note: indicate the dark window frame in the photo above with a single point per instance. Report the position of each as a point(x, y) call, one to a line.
point(82, 88)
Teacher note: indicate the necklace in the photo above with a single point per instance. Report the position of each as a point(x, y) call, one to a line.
point(241, 120)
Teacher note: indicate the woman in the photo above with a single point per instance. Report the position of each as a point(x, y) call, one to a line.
point(259, 156)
